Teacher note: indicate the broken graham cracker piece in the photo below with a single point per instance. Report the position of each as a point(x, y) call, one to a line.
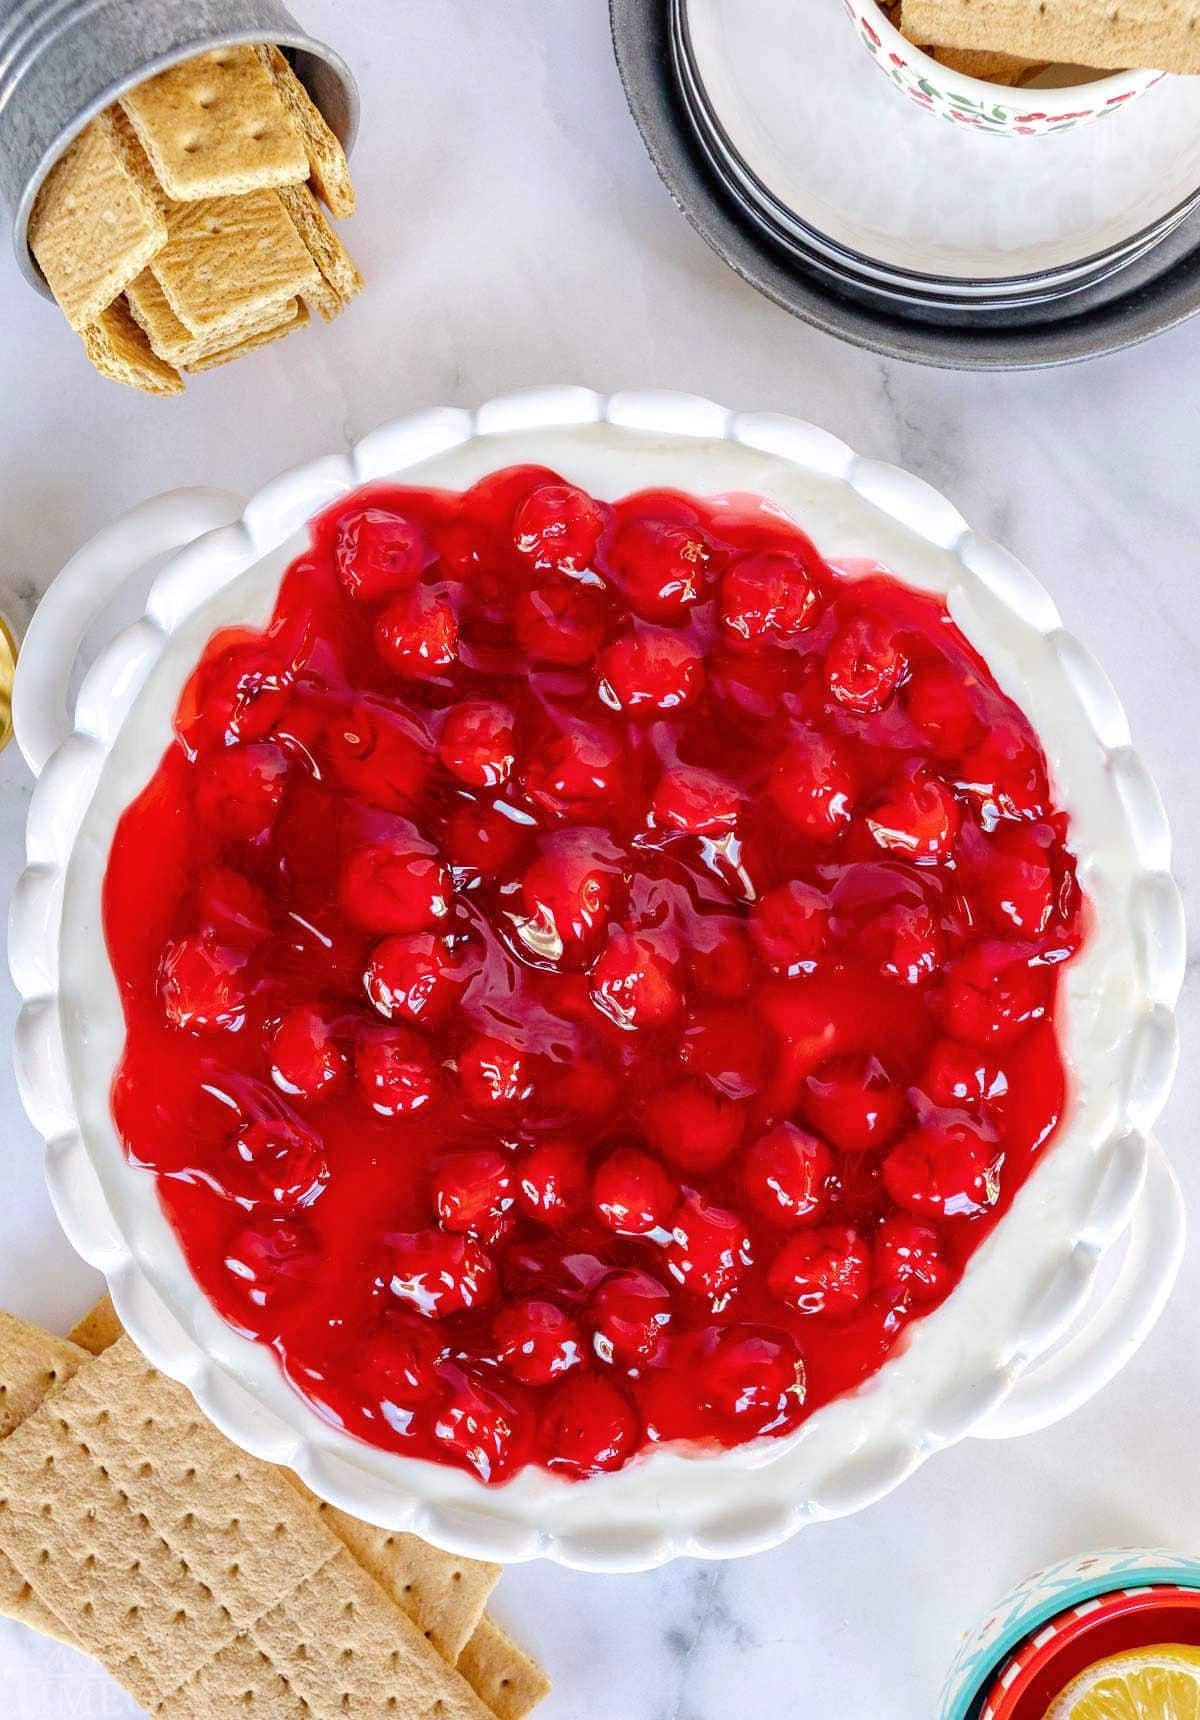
point(228, 259)
point(444, 1596)
point(337, 267)
point(119, 349)
point(327, 164)
point(509, 1681)
point(1004, 69)
point(295, 316)
point(177, 344)
point(1163, 34)
point(138, 1522)
point(96, 222)
point(217, 126)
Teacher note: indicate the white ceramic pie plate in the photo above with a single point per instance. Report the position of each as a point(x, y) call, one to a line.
point(812, 120)
point(968, 1368)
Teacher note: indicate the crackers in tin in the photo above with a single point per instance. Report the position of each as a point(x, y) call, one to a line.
point(183, 227)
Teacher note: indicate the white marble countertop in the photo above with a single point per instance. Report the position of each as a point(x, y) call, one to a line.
point(513, 231)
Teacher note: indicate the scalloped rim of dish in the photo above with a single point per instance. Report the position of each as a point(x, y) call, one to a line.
point(592, 1524)
point(1131, 83)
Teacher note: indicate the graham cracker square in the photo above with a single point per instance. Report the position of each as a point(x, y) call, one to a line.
point(229, 258)
point(217, 126)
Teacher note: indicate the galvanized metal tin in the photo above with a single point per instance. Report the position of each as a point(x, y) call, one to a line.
point(63, 61)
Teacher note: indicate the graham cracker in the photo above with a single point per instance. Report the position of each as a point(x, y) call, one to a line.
point(96, 222)
point(166, 1551)
point(217, 126)
point(327, 164)
point(119, 349)
point(1154, 33)
point(168, 337)
point(508, 1681)
point(322, 243)
point(444, 1596)
point(992, 68)
point(295, 316)
point(228, 259)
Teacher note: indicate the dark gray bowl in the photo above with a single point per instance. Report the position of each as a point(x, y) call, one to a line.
point(1158, 292)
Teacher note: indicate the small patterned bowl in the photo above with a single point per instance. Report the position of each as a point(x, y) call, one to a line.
point(996, 108)
point(1043, 1610)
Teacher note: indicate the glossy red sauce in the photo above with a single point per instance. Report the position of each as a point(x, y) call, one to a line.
point(589, 971)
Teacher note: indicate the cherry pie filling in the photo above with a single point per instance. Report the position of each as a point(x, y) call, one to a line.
point(589, 971)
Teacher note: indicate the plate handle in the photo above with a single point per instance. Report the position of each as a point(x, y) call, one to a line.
point(1119, 1323)
point(78, 596)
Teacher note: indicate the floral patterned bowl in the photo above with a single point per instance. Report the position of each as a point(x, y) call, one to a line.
point(997, 108)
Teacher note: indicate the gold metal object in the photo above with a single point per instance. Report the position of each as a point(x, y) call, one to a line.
point(8, 668)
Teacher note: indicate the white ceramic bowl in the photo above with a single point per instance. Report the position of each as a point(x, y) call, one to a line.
point(970, 1366)
point(997, 108)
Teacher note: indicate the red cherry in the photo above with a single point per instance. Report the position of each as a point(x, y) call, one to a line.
point(1005, 775)
point(918, 818)
point(962, 1075)
point(822, 1271)
point(558, 526)
point(721, 960)
point(630, 1313)
point(280, 1163)
point(938, 700)
point(864, 665)
point(692, 1126)
point(812, 787)
point(909, 1260)
point(406, 978)
point(785, 1175)
point(632, 1193)
point(568, 891)
point(552, 1181)
point(663, 567)
point(709, 1249)
point(394, 1072)
point(494, 1076)
point(231, 907)
point(268, 1261)
point(591, 1428)
point(650, 673)
point(436, 1274)
point(417, 635)
point(379, 553)
point(240, 790)
point(477, 1426)
point(580, 768)
point(473, 1189)
point(538, 1343)
point(238, 695)
point(906, 942)
point(942, 1174)
point(766, 597)
point(305, 1059)
point(201, 984)
point(724, 1046)
point(390, 887)
point(994, 994)
point(753, 1376)
point(399, 1367)
point(563, 623)
point(790, 926)
point(695, 802)
point(853, 1103)
point(479, 838)
point(376, 757)
point(633, 983)
point(1017, 880)
point(477, 743)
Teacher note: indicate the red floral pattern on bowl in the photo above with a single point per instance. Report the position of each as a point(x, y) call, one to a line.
point(995, 108)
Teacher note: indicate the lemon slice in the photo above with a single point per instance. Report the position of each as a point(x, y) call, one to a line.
point(1161, 1683)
